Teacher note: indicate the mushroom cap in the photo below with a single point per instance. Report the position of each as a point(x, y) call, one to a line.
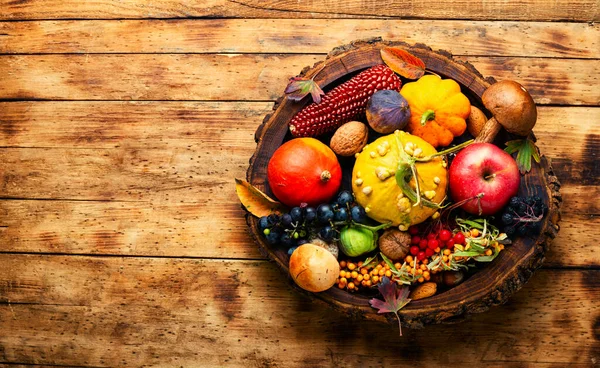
point(512, 106)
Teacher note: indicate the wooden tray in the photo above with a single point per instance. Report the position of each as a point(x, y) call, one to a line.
point(492, 285)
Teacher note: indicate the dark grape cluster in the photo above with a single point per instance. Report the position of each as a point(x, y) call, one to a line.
point(523, 216)
point(302, 223)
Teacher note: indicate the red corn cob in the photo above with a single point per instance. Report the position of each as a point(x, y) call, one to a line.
point(343, 103)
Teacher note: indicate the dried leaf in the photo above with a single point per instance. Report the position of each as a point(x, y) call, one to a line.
point(403, 62)
point(526, 150)
point(256, 202)
point(299, 87)
point(394, 299)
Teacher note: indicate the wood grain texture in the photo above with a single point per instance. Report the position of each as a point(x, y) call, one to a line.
point(579, 10)
point(246, 77)
point(532, 39)
point(173, 312)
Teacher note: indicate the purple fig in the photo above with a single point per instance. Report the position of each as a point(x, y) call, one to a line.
point(387, 111)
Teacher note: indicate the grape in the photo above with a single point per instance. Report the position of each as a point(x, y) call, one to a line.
point(263, 223)
point(296, 214)
point(536, 227)
point(273, 218)
point(358, 213)
point(341, 214)
point(326, 233)
point(302, 241)
point(514, 202)
point(286, 240)
point(509, 230)
point(287, 221)
point(522, 230)
point(530, 201)
point(273, 236)
point(522, 209)
point(507, 218)
point(310, 214)
point(292, 249)
point(344, 198)
point(324, 213)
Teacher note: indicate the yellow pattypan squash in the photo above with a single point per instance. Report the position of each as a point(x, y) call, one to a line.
point(438, 109)
point(385, 164)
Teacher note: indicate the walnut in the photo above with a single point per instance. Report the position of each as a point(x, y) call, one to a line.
point(394, 243)
point(350, 138)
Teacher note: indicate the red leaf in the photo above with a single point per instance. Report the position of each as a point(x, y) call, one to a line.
point(403, 62)
point(394, 299)
point(299, 87)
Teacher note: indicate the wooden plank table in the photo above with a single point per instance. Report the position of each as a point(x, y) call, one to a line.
point(123, 125)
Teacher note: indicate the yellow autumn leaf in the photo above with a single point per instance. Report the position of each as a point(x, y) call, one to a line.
point(256, 202)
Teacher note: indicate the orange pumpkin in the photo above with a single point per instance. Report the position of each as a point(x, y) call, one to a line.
point(304, 170)
point(438, 109)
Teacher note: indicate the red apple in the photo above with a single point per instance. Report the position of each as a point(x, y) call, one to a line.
point(483, 168)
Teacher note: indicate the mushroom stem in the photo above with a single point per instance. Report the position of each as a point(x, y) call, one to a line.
point(489, 131)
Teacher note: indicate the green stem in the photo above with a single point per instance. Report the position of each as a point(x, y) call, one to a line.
point(427, 115)
point(373, 228)
point(446, 151)
point(413, 169)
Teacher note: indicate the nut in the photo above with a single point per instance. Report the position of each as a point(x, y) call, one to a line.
point(423, 291)
point(350, 138)
point(476, 121)
point(452, 278)
point(394, 243)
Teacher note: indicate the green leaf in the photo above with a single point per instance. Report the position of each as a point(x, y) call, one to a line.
point(525, 149)
point(466, 254)
point(486, 258)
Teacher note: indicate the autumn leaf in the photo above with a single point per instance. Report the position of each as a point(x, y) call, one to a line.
point(299, 87)
point(403, 62)
point(525, 149)
point(394, 299)
point(256, 202)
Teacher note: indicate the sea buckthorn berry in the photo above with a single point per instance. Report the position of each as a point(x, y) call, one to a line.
point(375, 279)
point(388, 273)
point(342, 264)
point(354, 274)
point(351, 266)
point(474, 233)
point(408, 259)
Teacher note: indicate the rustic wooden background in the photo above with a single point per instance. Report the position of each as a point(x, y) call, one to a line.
point(123, 125)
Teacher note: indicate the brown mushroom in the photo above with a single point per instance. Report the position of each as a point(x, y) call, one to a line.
point(512, 108)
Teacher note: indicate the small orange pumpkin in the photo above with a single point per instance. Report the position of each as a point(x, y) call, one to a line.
point(304, 170)
point(438, 109)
